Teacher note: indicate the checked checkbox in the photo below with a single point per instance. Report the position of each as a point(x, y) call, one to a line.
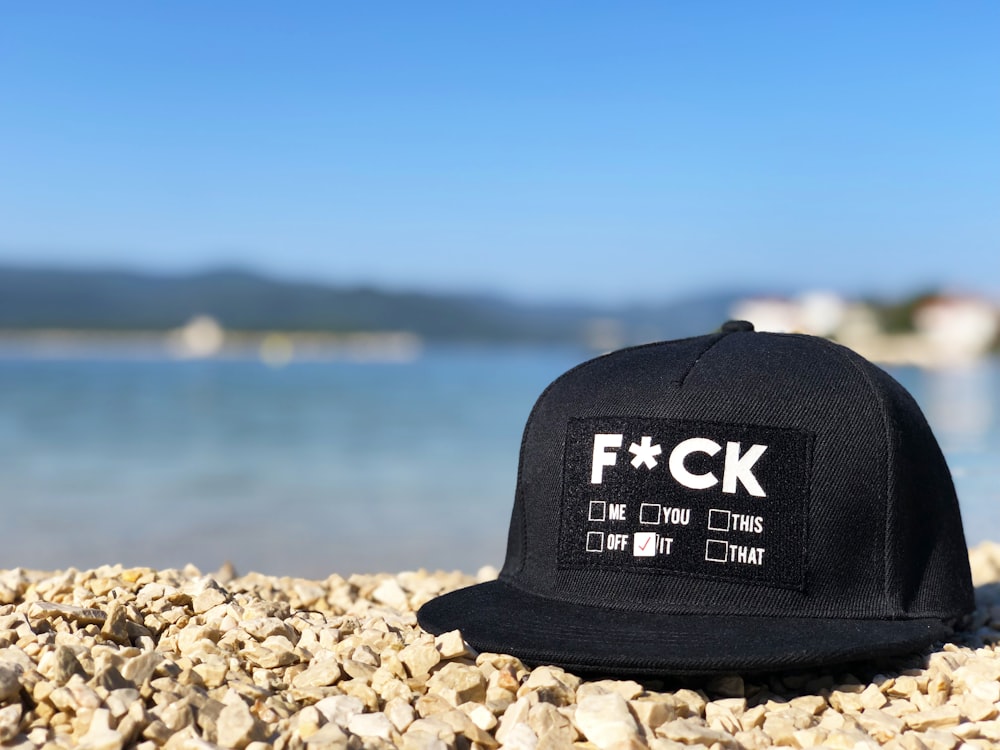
point(644, 544)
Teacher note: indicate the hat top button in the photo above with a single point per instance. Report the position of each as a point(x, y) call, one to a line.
point(737, 326)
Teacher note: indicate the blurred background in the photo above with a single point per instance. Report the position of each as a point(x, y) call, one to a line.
point(280, 284)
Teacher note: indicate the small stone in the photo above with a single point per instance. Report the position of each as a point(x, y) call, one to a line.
point(627, 689)
point(110, 679)
point(976, 709)
point(880, 725)
point(195, 640)
point(839, 739)
point(458, 683)
point(779, 728)
point(805, 738)
point(66, 665)
point(516, 713)
point(263, 628)
point(390, 688)
point(938, 689)
point(390, 593)
point(552, 684)
point(846, 702)
point(903, 686)
point(521, 737)
point(753, 718)
point(114, 627)
point(605, 720)
point(481, 716)
point(100, 736)
point(941, 716)
point(62, 699)
point(155, 737)
point(360, 690)
point(898, 707)
point(370, 725)
point(872, 697)
point(401, 713)
point(176, 715)
point(42, 610)
point(829, 720)
point(420, 658)
point(450, 645)
point(987, 691)
point(421, 739)
point(389, 660)
point(690, 702)
point(14, 656)
point(549, 722)
point(359, 670)
point(719, 718)
point(329, 736)
point(431, 705)
point(212, 672)
point(83, 696)
point(225, 573)
point(120, 701)
point(965, 730)
point(730, 686)
point(207, 599)
point(318, 674)
point(140, 668)
point(340, 708)
point(499, 700)
point(308, 722)
point(989, 729)
point(276, 653)
point(437, 725)
point(10, 720)
point(691, 732)
point(236, 726)
point(653, 713)
point(365, 655)
point(10, 682)
point(811, 704)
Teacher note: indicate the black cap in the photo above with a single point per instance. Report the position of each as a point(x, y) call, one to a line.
point(737, 502)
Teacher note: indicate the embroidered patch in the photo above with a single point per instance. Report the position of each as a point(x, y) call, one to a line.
point(696, 498)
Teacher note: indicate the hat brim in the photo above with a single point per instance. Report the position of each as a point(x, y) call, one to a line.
point(498, 618)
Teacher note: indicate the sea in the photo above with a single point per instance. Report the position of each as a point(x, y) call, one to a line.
point(341, 466)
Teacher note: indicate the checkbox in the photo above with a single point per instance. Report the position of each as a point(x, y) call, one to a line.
point(649, 514)
point(718, 520)
point(595, 541)
point(716, 551)
point(644, 544)
point(598, 511)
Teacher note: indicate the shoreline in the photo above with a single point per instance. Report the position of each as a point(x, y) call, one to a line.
point(114, 657)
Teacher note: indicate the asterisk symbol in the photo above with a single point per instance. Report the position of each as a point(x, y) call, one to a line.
point(644, 452)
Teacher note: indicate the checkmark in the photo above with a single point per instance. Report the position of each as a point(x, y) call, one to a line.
point(644, 544)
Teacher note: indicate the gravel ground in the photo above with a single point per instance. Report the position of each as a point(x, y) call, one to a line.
point(114, 657)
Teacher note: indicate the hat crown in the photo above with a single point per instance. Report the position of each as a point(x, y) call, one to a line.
point(737, 473)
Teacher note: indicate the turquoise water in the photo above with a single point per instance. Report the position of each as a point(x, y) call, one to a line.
point(322, 467)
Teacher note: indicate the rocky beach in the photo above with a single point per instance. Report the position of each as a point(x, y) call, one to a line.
point(112, 657)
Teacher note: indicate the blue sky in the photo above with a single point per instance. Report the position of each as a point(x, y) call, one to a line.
point(554, 150)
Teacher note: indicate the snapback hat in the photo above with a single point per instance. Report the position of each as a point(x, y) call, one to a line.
point(736, 502)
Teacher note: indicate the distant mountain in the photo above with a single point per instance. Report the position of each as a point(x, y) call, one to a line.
point(240, 300)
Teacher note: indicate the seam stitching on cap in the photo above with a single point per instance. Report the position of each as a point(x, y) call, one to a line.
point(702, 353)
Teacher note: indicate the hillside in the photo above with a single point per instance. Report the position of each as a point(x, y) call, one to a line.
point(240, 300)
